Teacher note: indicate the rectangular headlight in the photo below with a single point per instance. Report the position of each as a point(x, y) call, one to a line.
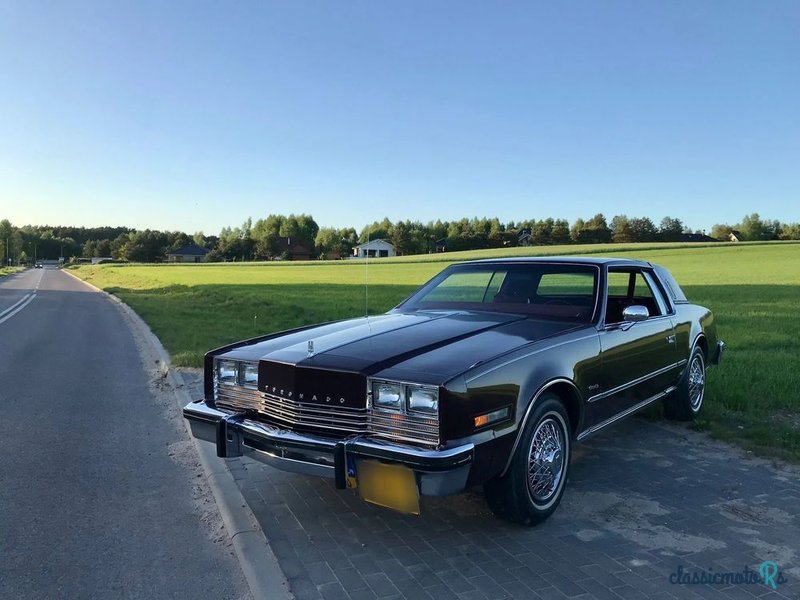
point(227, 372)
point(387, 395)
point(248, 374)
point(423, 399)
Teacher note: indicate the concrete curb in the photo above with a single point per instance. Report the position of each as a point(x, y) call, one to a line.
point(258, 562)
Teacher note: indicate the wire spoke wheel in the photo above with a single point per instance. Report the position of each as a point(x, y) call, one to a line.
point(546, 460)
point(697, 383)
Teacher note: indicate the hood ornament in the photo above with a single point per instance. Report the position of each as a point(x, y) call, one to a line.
point(310, 348)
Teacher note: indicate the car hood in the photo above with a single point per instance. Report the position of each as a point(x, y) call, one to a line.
point(429, 347)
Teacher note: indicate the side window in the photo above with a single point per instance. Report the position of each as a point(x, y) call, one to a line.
point(628, 288)
point(618, 282)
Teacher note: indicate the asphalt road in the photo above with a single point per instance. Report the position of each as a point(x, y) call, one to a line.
point(94, 501)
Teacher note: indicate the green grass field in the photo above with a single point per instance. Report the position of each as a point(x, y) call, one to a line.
point(753, 289)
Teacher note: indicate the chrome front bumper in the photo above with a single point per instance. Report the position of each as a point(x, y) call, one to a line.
point(438, 472)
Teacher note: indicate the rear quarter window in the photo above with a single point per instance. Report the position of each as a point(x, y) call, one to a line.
point(670, 285)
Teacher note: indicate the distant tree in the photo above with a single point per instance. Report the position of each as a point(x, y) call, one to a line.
point(602, 232)
point(774, 229)
point(375, 231)
point(104, 248)
point(176, 240)
point(268, 237)
point(560, 233)
point(326, 241)
point(575, 231)
point(643, 230)
point(146, 246)
point(593, 231)
point(5, 239)
point(400, 238)
point(265, 233)
point(542, 231)
point(621, 230)
point(89, 249)
point(337, 241)
point(721, 231)
point(214, 256)
point(6, 229)
point(119, 245)
point(15, 243)
point(753, 228)
point(790, 231)
point(199, 239)
point(670, 229)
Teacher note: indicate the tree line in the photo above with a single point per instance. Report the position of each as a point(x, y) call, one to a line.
point(284, 237)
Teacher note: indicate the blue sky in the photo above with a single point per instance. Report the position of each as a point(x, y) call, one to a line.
point(195, 115)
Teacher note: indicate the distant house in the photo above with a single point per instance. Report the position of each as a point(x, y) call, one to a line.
point(524, 237)
point(99, 260)
point(735, 236)
point(188, 254)
point(331, 255)
point(697, 237)
point(374, 249)
point(293, 251)
point(441, 244)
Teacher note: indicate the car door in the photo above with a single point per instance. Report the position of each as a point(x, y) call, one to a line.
point(639, 360)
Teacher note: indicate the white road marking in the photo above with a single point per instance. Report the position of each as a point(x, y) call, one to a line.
point(12, 307)
point(19, 308)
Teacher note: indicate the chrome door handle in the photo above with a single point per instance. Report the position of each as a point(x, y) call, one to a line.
point(670, 339)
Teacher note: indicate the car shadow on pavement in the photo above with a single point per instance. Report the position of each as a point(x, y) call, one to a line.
point(642, 502)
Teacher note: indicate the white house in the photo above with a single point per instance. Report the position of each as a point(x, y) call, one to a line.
point(374, 249)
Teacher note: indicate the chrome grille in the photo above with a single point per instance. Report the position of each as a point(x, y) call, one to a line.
point(236, 398)
point(335, 421)
point(404, 427)
point(329, 418)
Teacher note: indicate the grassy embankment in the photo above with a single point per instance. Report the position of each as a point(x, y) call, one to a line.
point(753, 289)
point(9, 270)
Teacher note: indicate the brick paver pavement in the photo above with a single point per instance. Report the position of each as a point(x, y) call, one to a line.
point(642, 500)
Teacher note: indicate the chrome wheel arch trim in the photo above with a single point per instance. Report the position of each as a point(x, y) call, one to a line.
point(700, 336)
point(531, 405)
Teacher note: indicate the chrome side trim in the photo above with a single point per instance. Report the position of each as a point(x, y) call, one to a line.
point(625, 413)
point(532, 403)
point(619, 324)
point(637, 381)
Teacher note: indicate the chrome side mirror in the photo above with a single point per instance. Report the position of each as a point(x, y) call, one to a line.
point(635, 313)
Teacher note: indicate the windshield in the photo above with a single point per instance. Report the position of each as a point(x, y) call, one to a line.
point(557, 291)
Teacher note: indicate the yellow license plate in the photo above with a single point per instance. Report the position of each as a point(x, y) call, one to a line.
point(390, 486)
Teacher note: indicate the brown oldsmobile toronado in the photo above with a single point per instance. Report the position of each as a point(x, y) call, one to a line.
point(487, 375)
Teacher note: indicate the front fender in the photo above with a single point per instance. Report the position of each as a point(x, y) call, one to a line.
point(570, 364)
